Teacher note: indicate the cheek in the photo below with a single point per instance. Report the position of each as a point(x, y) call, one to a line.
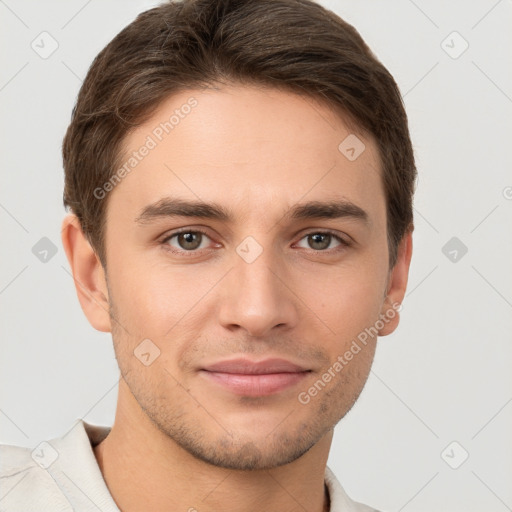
point(158, 300)
point(346, 299)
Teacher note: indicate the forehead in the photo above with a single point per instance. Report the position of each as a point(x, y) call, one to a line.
point(255, 150)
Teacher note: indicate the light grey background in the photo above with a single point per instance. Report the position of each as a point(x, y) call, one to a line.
point(443, 376)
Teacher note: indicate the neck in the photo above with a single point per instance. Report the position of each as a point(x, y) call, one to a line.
point(145, 469)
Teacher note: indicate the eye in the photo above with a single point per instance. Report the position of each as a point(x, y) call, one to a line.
point(186, 241)
point(321, 240)
point(191, 241)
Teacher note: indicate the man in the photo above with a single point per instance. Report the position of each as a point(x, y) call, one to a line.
point(240, 176)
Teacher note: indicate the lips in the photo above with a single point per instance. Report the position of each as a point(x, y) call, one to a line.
point(248, 367)
point(255, 378)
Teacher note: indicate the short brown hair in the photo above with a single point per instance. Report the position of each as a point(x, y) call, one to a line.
point(296, 45)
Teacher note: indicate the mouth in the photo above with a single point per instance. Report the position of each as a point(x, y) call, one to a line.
point(249, 378)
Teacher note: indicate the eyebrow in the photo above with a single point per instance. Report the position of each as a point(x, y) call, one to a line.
point(175, 207)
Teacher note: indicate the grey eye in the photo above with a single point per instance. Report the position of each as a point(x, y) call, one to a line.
point(187, 240)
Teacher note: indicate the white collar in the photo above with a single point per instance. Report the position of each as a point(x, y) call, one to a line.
point(85, 488)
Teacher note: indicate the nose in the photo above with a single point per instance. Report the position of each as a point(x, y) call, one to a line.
point(258, 297)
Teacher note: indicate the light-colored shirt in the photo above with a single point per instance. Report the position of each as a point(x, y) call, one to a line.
point(63, 475)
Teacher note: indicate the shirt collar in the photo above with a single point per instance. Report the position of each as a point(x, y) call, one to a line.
point(77, 473)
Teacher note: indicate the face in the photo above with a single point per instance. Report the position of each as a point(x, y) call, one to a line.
point(226, 315)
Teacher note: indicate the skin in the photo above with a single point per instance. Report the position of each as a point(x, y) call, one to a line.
point(179, 441)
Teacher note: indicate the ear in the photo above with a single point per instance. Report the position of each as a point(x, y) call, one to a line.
point(397, 284)
point(88, 274)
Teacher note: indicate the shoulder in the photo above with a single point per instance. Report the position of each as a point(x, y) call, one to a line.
point(26, 486)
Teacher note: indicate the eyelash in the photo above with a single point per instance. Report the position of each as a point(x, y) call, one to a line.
point(344, 244)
